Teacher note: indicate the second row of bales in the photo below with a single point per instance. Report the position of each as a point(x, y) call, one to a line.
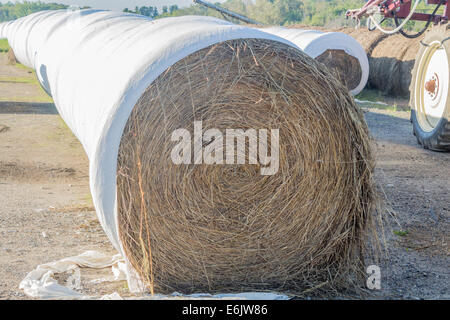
point(391, 58)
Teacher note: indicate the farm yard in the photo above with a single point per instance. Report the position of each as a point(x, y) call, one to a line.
point(47, 214)
point(270, 152)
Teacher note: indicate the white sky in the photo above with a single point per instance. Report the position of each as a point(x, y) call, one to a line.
point(119, 4)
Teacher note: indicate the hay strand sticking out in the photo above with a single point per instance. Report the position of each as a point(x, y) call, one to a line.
point(195, 228)
point(11, 57)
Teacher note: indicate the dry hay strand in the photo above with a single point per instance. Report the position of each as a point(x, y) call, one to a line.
point(218, 228)
point(11, 57)
point(345, 67)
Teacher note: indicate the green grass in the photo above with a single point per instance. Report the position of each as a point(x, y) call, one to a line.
point(375, 99)
point(17, 80)
point(4, 45)
point(21, 66)
point(401, 233)
point(370, 95)
point(31, 78)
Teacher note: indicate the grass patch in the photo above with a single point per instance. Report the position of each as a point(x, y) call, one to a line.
point(401, 233)
point(38, 99)
point(375, 99)
point(30, 78)
point(370, 95)
point(21, 66)
point(4, 45)
point(17, 80)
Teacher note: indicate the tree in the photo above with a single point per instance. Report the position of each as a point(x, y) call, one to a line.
point(173, 8)
point(10, 11)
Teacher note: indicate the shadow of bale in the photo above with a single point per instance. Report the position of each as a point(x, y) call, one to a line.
point(12, 107)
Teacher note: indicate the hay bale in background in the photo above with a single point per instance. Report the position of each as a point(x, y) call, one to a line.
point(391, 63)
point(11, 57)
point(345, 67)
point(391, 58)
point(342, 54)
point(195, 228)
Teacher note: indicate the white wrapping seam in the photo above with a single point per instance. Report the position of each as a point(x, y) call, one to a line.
point(314, 43)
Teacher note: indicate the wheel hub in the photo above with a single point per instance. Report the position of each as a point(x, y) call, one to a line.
point(432, 86)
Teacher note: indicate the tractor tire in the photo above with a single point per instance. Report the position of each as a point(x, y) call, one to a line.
point(430, 90)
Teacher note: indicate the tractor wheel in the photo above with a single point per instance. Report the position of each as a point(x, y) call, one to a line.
point(429, 90)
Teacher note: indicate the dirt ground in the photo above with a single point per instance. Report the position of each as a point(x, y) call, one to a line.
point(46, 211)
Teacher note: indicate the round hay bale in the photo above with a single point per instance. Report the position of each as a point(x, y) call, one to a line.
point(226, 227)
point(391, 63)
point(11, 57)
point(345, 67)
point(217, 227)
point(391, 58)
point(342, 54)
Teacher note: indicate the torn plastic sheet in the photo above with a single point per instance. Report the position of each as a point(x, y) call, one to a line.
point(40, 283)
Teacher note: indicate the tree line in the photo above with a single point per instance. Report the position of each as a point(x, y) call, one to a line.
point(152, 12)
point(281, 12)
point(11, 11)
point(328, 13)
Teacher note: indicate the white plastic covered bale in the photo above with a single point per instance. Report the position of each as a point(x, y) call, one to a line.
point(315, 43)
point(97, 64)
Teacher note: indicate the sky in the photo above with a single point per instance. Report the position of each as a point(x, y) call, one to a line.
point(119, 5)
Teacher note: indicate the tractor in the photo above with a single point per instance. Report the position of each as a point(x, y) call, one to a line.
point(429, 89)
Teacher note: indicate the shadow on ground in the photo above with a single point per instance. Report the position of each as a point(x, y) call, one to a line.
point(9, 107)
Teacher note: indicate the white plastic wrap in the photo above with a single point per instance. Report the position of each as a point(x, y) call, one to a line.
point(96, 65)
point(314, 43)
point(41, 284)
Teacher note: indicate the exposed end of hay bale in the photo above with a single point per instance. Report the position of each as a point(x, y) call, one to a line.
point(193, 228)
point(11, 57)
point(344, 66)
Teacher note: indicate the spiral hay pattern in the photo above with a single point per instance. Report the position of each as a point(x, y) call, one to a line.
point(196, 228)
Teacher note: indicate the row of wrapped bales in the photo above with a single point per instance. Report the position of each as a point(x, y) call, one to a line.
point(124, 84)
